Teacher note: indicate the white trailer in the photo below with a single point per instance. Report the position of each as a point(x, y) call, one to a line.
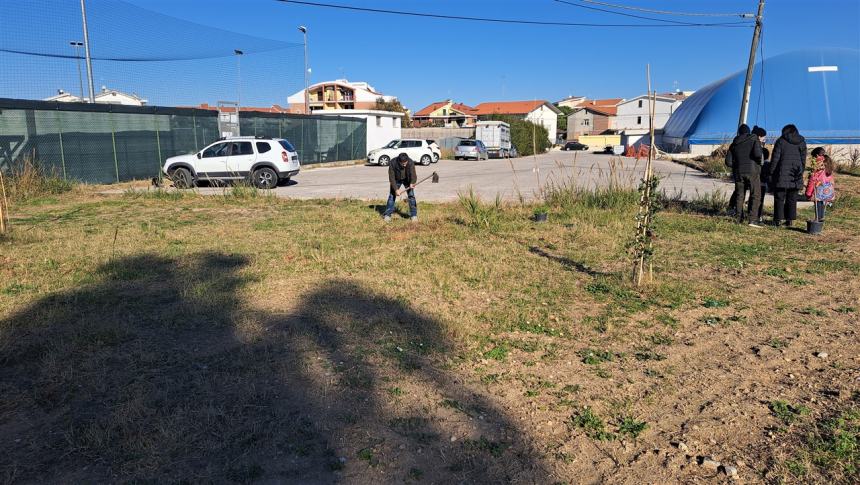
point(496, 136)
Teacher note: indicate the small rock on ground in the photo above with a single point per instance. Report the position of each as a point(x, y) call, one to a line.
point(730, 471)
point(709, 463)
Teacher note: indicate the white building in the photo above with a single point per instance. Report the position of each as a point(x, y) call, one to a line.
point(106, 96)
point(382, 126)
point(571, 101)
point(339, 94)
point(539, 112)
point(632, 115)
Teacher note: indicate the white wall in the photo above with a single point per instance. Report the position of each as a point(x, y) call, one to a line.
point(629, 113)
point(547, 118)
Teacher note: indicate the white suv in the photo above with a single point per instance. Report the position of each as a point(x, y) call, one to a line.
point(418, 150)
point(263, 161)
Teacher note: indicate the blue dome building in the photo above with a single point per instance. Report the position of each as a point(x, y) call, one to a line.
point(817, 90)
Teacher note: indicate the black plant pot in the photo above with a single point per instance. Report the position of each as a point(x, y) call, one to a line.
point(814, 227)
point(541, 217)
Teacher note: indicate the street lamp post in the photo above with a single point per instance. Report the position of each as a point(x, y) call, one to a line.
point(76, 45)
point(87, 51)
point(304, 31)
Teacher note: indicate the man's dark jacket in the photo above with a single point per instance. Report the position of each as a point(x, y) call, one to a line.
point(745, 155)
point(788, 161)
point(398, 174)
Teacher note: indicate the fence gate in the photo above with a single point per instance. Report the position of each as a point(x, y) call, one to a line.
point(228, 119)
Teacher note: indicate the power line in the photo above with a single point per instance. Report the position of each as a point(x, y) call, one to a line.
point(668, 12)
point(143, 59)
point(503, 21)
point(679, 22)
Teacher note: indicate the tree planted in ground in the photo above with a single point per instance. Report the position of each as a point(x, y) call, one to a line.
point(562, 118)
point(395, 106)
point(527, 137)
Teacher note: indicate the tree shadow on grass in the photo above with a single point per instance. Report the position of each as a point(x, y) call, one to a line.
point(159, 371)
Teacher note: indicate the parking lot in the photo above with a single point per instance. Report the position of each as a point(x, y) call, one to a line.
point(508, 178)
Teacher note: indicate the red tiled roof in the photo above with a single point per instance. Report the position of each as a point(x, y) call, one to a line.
point(434, 106)
point(604, 110)
point(508, 107)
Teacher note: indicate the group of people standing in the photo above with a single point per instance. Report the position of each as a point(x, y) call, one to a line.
point(756, 171)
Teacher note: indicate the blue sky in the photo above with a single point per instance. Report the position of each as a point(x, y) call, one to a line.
point(421, 60)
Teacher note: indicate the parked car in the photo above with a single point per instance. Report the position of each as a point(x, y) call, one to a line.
point(265, 162)
point(513, 153)
point(574, 145)
point(471, 149)
point(437, 152)
point(418, 150)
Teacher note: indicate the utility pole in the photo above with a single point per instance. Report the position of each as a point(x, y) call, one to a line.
point(745, 102)
point(87, 51)
point(304, 31)
point(75, 45)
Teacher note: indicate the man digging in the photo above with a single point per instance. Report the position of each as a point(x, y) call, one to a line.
point(402, 173)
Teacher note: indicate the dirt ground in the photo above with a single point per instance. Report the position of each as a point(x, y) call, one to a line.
point(168, 338)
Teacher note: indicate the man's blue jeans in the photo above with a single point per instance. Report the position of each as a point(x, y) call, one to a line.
point(392, 199)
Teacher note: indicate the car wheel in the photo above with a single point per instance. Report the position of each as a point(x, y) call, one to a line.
point(435, 158)
point(426, 160)
point(182, 178)
point(265, 178)
point(384, 160)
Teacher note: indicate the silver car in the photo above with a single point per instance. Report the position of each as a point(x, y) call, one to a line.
point(474, 149)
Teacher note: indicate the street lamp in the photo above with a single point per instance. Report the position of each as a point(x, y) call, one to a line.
point(76, 45)
point(304, 31)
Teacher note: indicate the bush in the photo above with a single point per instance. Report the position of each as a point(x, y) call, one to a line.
point(28, 179)
point(522, 134)
point(481, 215)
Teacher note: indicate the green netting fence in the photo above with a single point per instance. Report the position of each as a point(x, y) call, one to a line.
point(96, 143)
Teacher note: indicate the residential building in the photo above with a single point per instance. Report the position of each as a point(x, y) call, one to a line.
point(592, 117)
point(632, 117)
point(571, 101)
point(540, 112)
point(445, 114)
point(339, 94)
point(105, 96)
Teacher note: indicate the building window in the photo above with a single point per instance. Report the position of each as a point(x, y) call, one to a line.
point(379, 121)
point(586, 122)
point(640, 103)
point(639, 118)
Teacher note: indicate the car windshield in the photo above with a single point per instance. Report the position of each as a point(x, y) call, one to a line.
point(468, 143)
point(392, 144)
point(287, 145)
point(430, 142)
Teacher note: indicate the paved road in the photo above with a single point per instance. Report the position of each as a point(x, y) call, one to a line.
point(508, 178)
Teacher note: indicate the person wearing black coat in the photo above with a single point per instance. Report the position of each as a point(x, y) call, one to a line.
point(788, 163)
point(745, 156)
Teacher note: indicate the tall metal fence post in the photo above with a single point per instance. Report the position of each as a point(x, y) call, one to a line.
point(113, 142)
point(194, 129)
point(336, 142)
point(62, 150)
point(157, 144)
point(352, 143)
point(280, 131)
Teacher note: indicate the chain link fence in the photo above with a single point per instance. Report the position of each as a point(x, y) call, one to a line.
point(96, 143)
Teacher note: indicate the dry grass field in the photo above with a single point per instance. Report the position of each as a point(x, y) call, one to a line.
point(168, 337)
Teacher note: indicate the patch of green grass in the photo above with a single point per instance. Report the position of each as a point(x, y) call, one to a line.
point(494, 448)
point(395, 391)
point(594, 357)
point(845, 309)
point(631, 426)
point(661, 339)
point(591, 424)
point(815, 312)
point(667, 320)
point(17, 288)
point(796, 468)
point(714, 303)
point(481, 215)
point(786, 412)
point(490, 378)
point(453, 404)
point(711, 319)
point(777, 343)
point(644, 353)
point(366, 454)
point(499, 352)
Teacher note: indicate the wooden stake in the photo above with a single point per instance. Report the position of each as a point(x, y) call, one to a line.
point(3, 204)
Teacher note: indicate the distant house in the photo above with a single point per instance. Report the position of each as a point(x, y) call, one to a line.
point(105, 96)
point(445, 113)
point(571, 101)
point(338, 94)
point(632, 116)
point(540, 112)
point(594, 117)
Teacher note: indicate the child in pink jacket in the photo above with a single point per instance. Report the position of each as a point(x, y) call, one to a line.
point(820, 187)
